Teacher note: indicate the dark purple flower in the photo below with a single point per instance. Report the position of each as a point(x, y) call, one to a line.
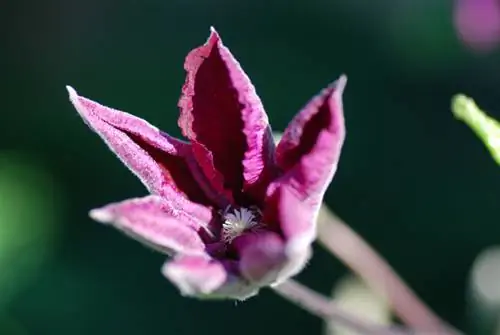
point(235, 212)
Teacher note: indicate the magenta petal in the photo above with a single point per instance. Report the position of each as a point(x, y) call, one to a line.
point(163, 163)
point(205, 162)
point(221, 110)
point(297, 223)
point(207, 278)
point(145, 220)
point(296, 220)
point(262, 256)
point(310, 148)
point(195, 275)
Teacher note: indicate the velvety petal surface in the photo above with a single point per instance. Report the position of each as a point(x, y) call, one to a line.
point(221, 111)
point(310, 148)
point(164, 164)
point(149, 221)
point(296, 221)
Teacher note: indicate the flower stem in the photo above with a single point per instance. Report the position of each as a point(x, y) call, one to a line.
point(320, 306)
point(354, 252)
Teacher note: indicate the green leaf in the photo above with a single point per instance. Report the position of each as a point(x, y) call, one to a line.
point(485, 127)
point(30, 214)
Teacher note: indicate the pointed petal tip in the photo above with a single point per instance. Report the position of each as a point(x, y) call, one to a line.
point(339, 84)
point(71, 91)
point(101, 215)
point(342, 79)
point(214, 36)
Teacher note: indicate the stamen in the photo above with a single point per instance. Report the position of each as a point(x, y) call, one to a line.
point(237, 222)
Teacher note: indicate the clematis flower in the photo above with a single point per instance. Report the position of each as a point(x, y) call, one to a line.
point(234, 212)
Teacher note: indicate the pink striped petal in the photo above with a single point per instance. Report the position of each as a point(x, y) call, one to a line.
point(164, 164)
point(147, 221)
point(221, 110)
point(310, 148)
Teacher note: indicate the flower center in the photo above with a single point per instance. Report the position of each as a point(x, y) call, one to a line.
point(237, 221)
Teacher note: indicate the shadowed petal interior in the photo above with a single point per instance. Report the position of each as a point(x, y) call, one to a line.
point(159, 160)
point(221, 110)
point(310, 148)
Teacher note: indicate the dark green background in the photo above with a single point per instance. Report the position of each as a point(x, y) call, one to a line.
point(412, 180)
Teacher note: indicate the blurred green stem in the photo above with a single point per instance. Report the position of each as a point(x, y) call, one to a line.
point(322, 307)
point(354, 252)
point(485, 127)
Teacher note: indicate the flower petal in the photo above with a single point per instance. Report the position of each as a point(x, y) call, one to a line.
point(195, 275)
point(164, 164)
point(286, 213)
point(221, 110)
point(262, 255)
point(204, 159)
point(310, 148)
point(296, 221)
point(266, 259)
point(204, 277)
point(149, 221)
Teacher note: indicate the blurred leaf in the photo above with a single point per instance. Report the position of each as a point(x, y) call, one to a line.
point(29, 208)
point(10, 326)
point(485, 127)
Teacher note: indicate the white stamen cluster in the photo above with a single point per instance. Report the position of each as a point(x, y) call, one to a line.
point(236, 222)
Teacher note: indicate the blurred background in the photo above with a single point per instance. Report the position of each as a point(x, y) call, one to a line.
point(413, 181)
